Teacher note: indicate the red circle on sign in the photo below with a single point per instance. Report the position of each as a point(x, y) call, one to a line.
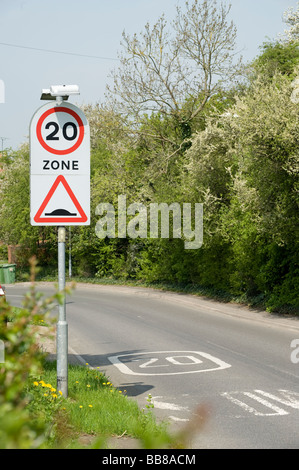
point(61, 110)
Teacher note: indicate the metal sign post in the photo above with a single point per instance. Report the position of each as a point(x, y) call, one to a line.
point(60, 186)
point(62, 326)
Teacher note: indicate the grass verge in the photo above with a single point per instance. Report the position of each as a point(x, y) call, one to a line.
point(95, 409)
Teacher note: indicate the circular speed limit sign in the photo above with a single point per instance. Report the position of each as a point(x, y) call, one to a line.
point(60, 130)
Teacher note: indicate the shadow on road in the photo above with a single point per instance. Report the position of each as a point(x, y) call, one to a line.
point(133, 389)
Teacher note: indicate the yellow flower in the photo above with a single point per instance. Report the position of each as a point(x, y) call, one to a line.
point(77, 382)
point(54, 395)
point(80, 406)
point(90, 406)
point(53, 389)
point(60, 392)
point(88, 386)
point(35, 384)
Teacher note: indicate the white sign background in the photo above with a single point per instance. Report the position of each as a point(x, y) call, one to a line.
point(60, 146)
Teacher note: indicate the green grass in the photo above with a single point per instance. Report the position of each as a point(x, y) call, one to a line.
point(96, 408)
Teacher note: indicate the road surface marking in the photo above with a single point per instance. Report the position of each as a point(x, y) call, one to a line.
point(289, 398)
point(167, 406)
point(293, 398)
point(179, 359)
point(174, 418)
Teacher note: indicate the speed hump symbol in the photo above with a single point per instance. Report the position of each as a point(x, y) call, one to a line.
point(60, 127)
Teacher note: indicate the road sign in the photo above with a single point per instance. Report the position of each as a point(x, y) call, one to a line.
point(64, 216)
point(59, 166)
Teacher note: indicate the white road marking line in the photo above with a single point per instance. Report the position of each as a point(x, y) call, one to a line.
point(276, 411)
point(174, 418)
point(266, 403)
point(167, 406)
point(292, 401)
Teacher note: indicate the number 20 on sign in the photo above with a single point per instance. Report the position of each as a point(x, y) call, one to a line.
point(59, 166)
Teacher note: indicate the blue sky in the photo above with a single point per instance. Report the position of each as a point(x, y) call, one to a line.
point(92, 27)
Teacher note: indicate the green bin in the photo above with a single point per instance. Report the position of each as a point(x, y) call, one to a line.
point(9, 272)
point(1, 274)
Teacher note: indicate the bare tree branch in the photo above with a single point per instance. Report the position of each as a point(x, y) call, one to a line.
point(175, 71)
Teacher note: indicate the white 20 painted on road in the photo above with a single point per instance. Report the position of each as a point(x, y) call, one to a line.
point(159, 362)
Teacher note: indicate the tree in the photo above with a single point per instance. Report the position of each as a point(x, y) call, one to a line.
point(14, 203)
point(173, 73)
point(15, 228)
point(291, 18)
point(278, 57)
point(245, 164)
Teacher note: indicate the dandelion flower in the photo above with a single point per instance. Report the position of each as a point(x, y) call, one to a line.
point(80, 406)
point(90, 406)
point(60, 392)
point(35, 384)
point(88, 386)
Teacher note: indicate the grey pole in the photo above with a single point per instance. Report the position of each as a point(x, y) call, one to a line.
point(3, 138)
point(70, 253)
point(62, 326)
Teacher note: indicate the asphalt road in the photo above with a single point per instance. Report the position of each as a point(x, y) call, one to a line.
point(187, 351)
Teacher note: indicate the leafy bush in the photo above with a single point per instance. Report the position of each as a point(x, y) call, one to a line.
point(22, 359)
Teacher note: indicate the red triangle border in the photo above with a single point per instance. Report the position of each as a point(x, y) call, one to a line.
point(60, 179)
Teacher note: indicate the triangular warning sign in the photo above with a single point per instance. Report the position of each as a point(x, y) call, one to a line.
point(60, 214)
